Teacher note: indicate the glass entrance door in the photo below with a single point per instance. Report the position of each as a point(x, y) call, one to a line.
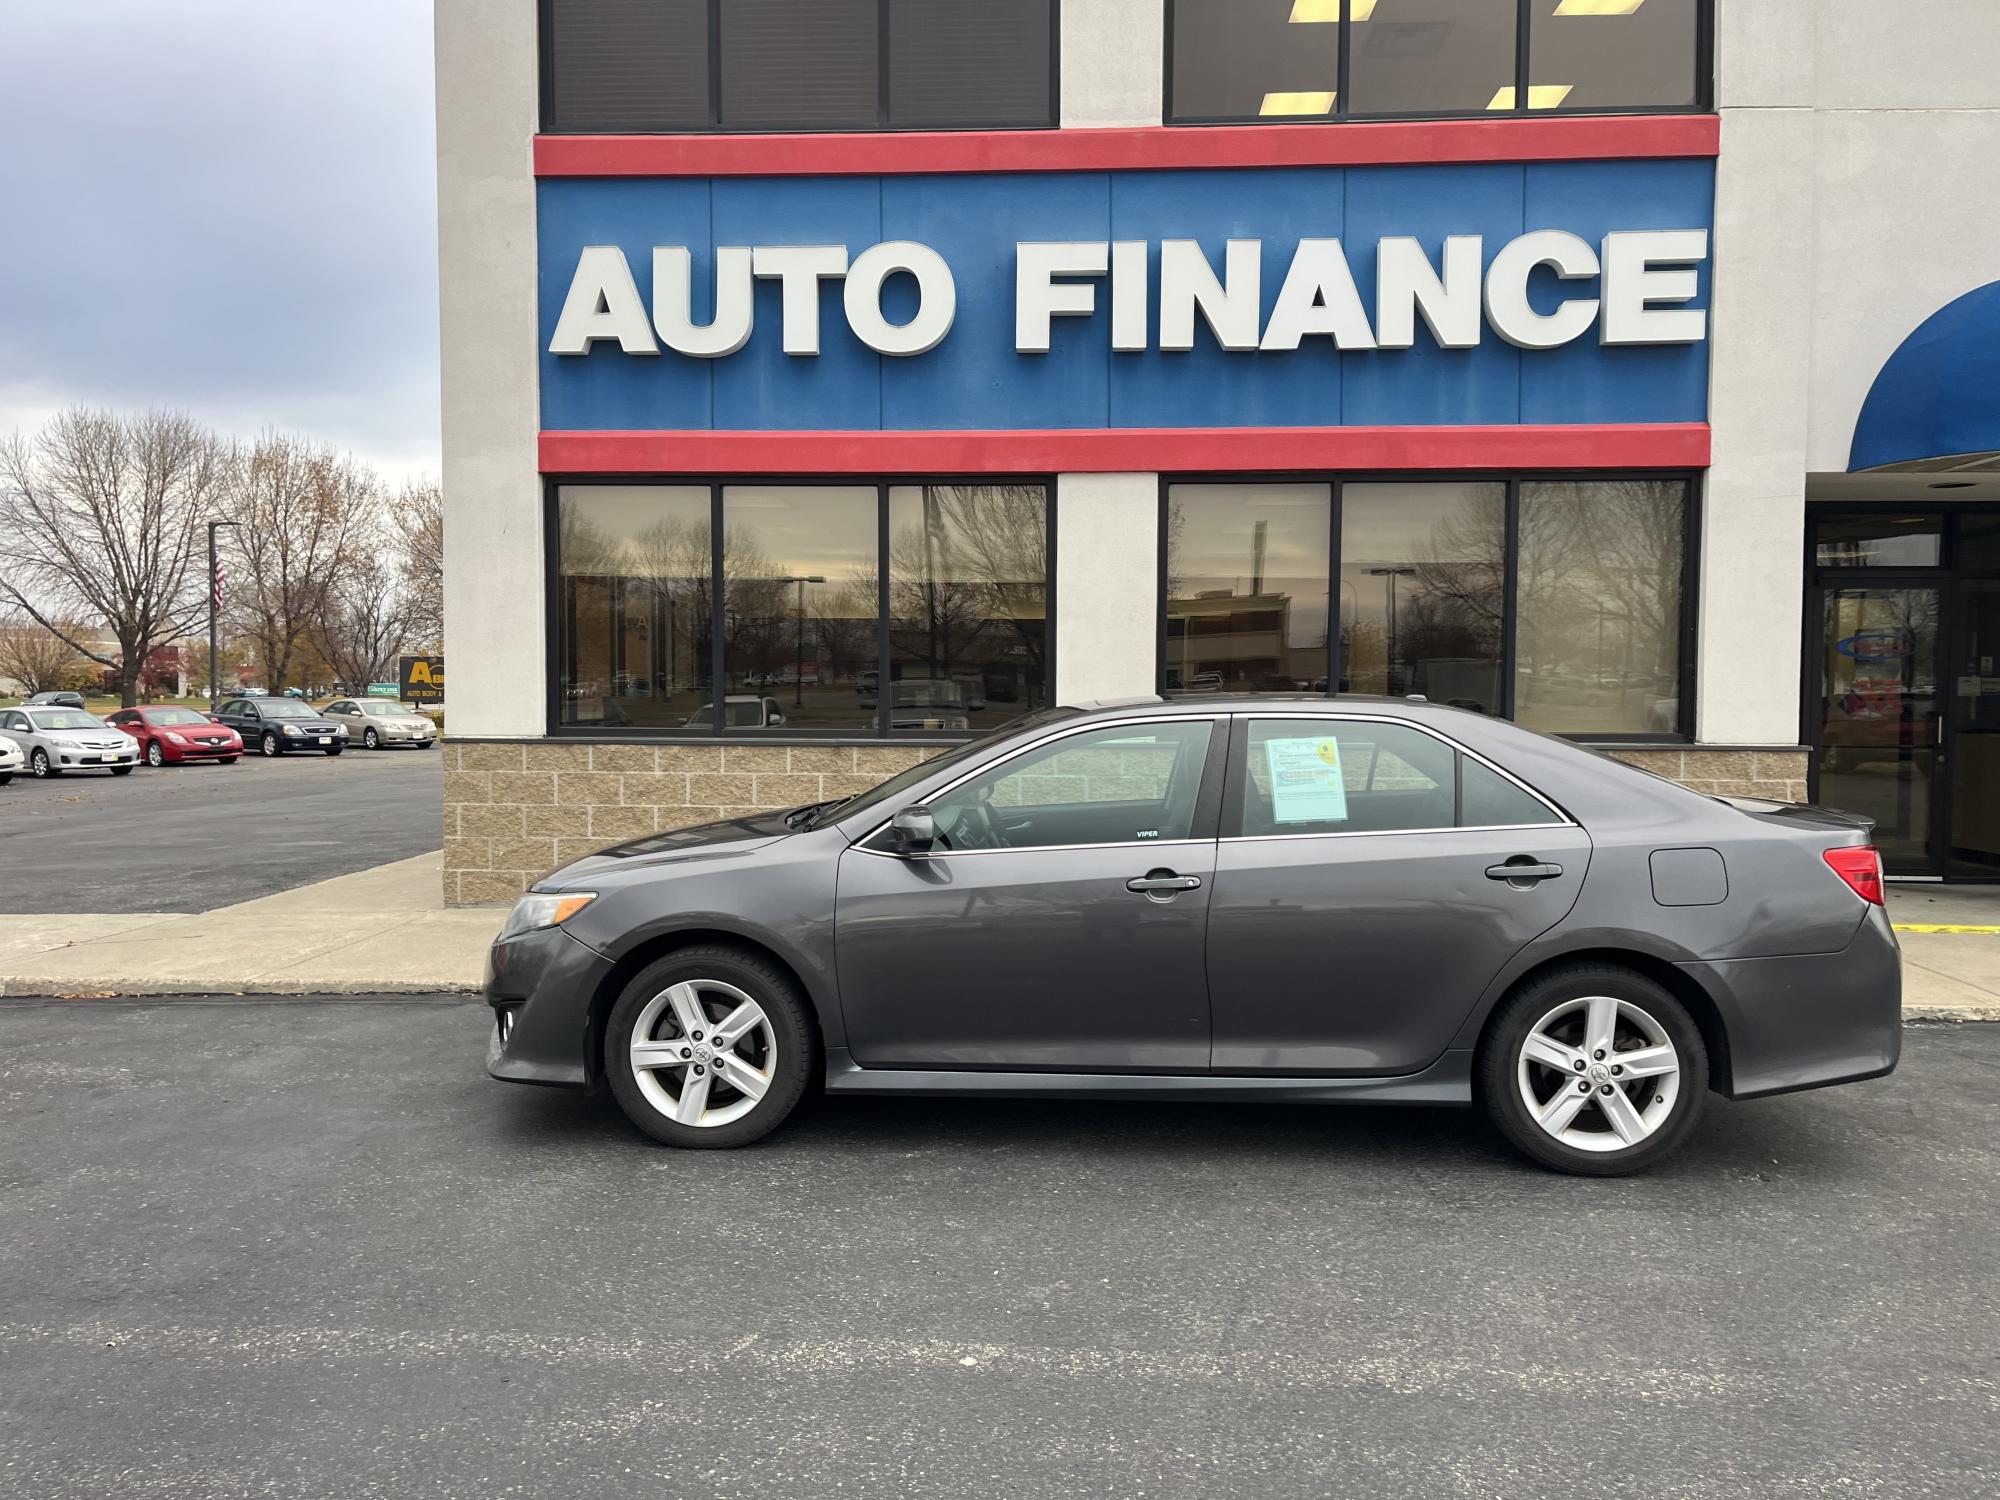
point(1879, 742)
point(1972, 740)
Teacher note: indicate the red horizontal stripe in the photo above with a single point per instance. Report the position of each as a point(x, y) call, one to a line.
point(1579, 138)
point(1235, 450)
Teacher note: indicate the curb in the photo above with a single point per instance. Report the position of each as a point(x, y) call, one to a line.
point(29, 988)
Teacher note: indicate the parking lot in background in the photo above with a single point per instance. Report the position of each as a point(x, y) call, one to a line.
point(193, 837)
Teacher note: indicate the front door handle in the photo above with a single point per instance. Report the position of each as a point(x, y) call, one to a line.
point(1162, 881)
point(1523, 869)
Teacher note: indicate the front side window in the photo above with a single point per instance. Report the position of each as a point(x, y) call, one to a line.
point(1302, 60)
point(1561, 603)
point(1121, 784)
point(621, 66)
point(786, 618)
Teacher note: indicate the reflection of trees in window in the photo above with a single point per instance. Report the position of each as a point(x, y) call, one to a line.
point(967, 578)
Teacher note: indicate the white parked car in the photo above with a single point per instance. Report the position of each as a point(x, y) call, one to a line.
point(12, 760)
point(56, 740)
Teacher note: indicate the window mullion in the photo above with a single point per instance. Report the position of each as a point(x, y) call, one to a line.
point(718, 691)
point(1510, 589)
point(1523, 26)
point(882, 611)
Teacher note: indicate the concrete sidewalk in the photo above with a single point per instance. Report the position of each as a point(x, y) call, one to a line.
point(383, 930)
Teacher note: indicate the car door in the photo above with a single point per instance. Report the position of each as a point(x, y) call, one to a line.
point(1059, 921)
point(14, 725)
point(1362, 898)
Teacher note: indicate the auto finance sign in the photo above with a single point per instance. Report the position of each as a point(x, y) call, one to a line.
point(1552, 292)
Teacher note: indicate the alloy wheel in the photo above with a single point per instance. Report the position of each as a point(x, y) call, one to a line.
point(155, 756)
point(38, 763)
point(372, 740)
point(269, 743)
point(703, 1052)
point(1598, 1073)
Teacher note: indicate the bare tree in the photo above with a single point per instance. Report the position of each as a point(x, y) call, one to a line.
point(100, 520)
point(418, 516)
point(361, 631)
point(38, 658)
point(300, 511)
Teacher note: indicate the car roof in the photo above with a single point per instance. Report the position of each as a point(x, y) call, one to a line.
point(1256, 702)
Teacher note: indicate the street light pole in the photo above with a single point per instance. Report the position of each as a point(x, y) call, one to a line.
point(799, 666)
point(214, 611)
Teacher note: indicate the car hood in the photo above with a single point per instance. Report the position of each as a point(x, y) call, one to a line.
point(78, 738)
point(733, 838)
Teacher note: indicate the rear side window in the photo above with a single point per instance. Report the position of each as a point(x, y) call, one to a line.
point(1353, 776)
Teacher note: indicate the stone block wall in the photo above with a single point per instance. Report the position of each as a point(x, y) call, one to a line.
point(514, 812)
point(1777, 774)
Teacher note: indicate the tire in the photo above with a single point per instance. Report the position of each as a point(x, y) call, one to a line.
point(5, 777)
point(271, 745)
point(123, 770)
point(335, 749)
point(721, 978)
point(1557, 1013)
point(41, 767)
point(425, 744)
point(155, 756)
point(230, 760)
point(371, 739)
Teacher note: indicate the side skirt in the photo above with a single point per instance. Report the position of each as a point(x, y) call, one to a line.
point(1446, 1081)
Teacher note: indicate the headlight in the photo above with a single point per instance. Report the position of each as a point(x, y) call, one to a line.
point(175, 738)
point(340, 731)
point(538, 910)
point(292, 730)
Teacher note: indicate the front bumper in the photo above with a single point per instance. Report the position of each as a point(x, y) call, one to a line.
point(541, 986)
point(1810, 1021)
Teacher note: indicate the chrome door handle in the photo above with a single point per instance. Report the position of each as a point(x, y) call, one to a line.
point(1146, 885)
point(1526, 869)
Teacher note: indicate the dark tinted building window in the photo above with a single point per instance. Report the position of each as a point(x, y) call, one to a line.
point(1559, 602)
point(1329, 59)
point(951, 61)
point(1892, 539)
point(638, 65)
point(779, 618)
point(797, 65)
point(800, 64)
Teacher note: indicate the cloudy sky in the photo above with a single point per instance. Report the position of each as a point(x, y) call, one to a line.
point(225, 206)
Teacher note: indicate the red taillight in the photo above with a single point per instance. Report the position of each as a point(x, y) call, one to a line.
point(1861, 867)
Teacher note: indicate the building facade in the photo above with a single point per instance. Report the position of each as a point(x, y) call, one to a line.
point(828, 380)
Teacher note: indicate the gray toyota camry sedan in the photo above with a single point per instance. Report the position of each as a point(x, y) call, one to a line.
point(1281, 899)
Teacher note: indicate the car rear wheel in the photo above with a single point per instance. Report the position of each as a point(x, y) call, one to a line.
point(371, 739)
point(40, 765)
point(269, 744)
point(1595, 1070)
point(709, 1047)
point(155, 756)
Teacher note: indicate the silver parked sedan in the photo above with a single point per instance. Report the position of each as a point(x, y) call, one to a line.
point(378, 723)
point(56, 740)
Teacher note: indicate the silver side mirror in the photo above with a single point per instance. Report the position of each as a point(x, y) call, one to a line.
point(912, 831)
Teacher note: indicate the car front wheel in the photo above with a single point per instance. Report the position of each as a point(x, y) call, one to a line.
point(335, 749)
point(371, 739)
point(270, 744)
point(40, 765)
point(1594, 1070)
point(709, 1047)
point(155, 756)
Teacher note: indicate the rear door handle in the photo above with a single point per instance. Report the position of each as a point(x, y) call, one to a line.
point(1147, 885)
point(1523, 869)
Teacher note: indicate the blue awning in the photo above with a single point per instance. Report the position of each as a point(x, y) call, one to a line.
point(1939, 394)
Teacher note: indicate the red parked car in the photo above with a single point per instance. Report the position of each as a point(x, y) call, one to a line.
point(168, 735)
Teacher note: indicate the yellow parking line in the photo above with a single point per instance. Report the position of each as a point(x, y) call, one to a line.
point(1945, 927)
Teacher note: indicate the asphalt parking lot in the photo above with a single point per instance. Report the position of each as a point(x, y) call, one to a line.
point(188, 838)
point(305, 1249)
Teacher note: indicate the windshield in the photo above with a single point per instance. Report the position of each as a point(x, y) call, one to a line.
point(896, 785)
point(174, 716)
point(386, 708)
point(286, 708)
point(65, 718)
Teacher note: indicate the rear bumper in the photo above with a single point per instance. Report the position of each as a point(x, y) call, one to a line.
point(1811, 1021)
point(540, 986)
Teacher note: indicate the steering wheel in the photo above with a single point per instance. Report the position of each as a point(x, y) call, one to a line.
point(973, 829)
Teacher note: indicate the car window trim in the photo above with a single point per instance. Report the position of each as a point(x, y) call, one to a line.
point(1218, 728)
point(1232, 807)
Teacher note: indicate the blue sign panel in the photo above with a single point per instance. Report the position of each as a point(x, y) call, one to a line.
point(1605, 321)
